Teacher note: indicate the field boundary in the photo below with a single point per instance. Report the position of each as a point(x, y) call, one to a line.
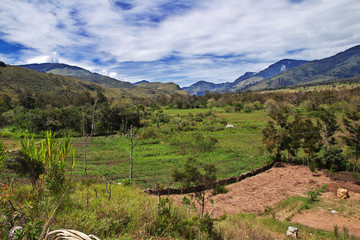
point(201, 187)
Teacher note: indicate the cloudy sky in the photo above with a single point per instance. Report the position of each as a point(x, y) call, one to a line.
point(181, 41)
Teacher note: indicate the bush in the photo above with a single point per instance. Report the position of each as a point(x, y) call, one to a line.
point(229, 109)
point(334, 160)
point(149, 133)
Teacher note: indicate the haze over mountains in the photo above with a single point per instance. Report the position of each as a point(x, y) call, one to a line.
point(284, 73)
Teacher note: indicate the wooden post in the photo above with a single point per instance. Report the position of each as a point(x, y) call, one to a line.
point(131, 152)
point(109, 189)
point(83, 118)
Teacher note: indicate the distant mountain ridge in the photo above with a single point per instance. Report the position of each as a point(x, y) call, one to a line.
point(79, 73)
point(343, 65)
point(248, 79)
point(105, 81)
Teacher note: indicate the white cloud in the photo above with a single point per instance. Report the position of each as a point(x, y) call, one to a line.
point(249, 34)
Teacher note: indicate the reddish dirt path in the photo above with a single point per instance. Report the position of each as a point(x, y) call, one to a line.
point(256, 193)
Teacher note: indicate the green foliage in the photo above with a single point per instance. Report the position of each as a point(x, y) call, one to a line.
point(32, 159)
point(220, 189)
point(128, 182)
point(334, 160)
point(50, 158)
point(3, 155)
point(56, 155)
point(30, 231)
point(329, 125)
point(352, 139)
point(170, 222)
point(313, 194)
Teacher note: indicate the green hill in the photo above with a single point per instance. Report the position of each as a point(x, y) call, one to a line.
point(16, 80)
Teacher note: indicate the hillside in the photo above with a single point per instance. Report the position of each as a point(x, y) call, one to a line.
point(15, 80)
point(127, 89)
point(79, 73)
point(343, 65)
point(165, 87)
point(199, 88)
point(248, 79)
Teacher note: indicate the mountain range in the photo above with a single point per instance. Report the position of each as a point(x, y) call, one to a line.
point(125, 88)
point(16, 80)
point(289, 72)
point(284, 73)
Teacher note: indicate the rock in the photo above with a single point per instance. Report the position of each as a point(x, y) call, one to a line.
point(11, 235)
point(343, 193)
point(333, 211)
point(292, 232)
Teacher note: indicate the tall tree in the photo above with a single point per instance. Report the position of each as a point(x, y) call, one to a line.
point(311, 139)
point(276, 133)
point(352, 139)
point(329, 125)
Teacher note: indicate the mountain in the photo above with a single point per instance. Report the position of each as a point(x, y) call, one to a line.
point(79, 73)
point(248, 79)
point(165, 87)
point(143, 81)
point(199, 88)
point(343, 65)
point(15, 80)
point(138, 89)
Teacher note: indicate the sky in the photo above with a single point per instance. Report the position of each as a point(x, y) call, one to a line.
point(180, 41)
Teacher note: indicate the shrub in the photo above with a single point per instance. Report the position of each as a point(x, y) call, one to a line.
point(149, 133)
point(228, 109)
point(314, 194)
point(334, 160)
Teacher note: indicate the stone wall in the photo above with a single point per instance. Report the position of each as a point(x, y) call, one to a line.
point(226, 181)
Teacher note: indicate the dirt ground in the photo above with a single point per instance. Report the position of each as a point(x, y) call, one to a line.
point(267, 189)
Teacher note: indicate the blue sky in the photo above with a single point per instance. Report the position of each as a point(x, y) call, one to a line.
point(181, 41)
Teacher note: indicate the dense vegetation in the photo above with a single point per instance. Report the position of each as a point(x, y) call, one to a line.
point(319, 128)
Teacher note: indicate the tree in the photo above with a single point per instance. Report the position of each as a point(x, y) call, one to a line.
point(158, 117)
point(311, 139)
point(352, 139)
point(27, 100)
point(329, 125)
point(201, 177)
point(276, 133)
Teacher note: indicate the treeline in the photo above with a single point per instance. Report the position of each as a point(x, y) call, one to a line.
point(323, 138)
point(43, 112)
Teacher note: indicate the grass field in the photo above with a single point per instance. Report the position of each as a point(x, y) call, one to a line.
point(238, 150)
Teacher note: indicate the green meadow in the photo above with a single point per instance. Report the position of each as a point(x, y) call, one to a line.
point(186, 134)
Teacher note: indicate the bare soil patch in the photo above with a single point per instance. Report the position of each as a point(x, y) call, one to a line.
point(267, 189)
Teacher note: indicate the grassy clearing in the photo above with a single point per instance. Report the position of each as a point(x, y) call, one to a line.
point(237, 150)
